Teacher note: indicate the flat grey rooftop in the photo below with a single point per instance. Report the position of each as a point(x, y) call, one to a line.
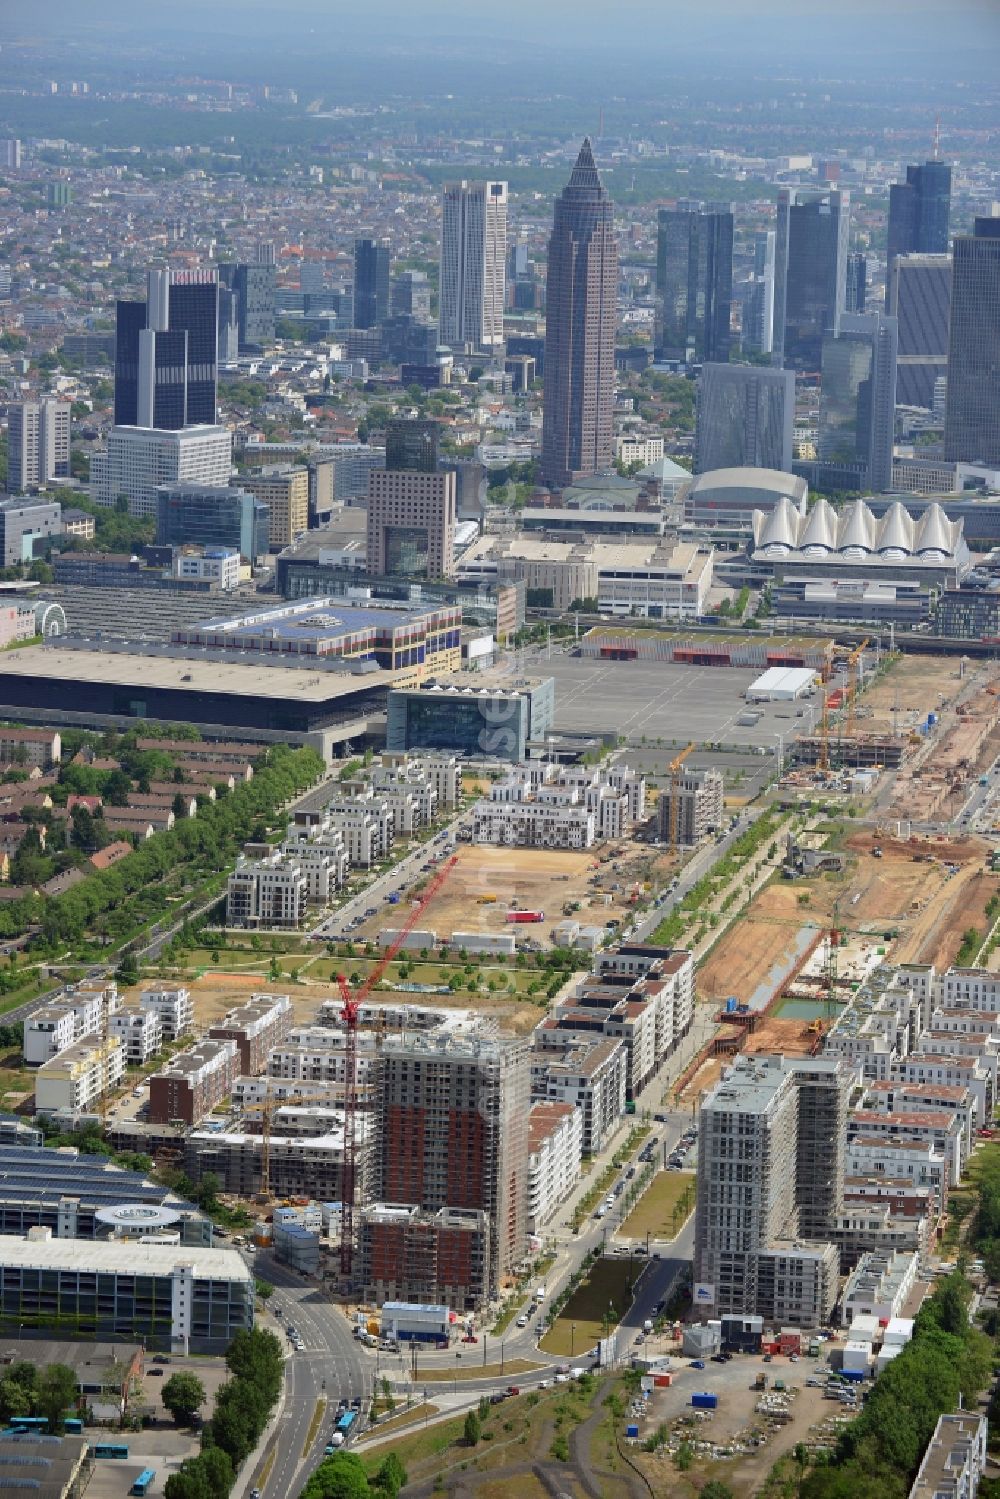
point(663, 700)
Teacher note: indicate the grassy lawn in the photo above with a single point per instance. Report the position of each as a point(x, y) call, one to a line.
point(405, 1418)
point(411, 1450)
point(663, 1208)
point(467, 1370)
point(611, 1283)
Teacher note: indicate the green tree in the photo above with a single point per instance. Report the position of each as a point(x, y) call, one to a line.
point(219, 1470)
point(183, 1395)
point(390, 1476)
point(472, 1431)
point(189, 1482)
point(339, 1477)
point(208, 1192)
point(117, 789)
point(14, 1399)
point(715, 1489)
point(57, 1394)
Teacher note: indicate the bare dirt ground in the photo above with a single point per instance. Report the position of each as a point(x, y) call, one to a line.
point(536, 879)
point(913, 688)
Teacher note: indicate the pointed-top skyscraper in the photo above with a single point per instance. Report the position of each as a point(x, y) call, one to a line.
point(580, 323)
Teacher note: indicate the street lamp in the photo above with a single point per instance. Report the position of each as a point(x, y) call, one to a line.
point(781, 754)
point(572, 1339)
point(427, 1409)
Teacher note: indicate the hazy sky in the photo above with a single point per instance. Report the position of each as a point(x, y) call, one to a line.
point(779, 28)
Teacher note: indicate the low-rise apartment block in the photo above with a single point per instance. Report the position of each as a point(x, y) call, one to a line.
point(539, 804)
point(175, 1008)
point(271, 892)
point(193, 1082)
point(955, 1459)
point(81, 1011)
point(141, 1034)
point(73, 1081)
point(30, 748)
point(262, 1022)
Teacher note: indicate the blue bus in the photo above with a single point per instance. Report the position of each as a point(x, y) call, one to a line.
point(29, 1423)
point(142, 1483)
point(109, 1449)
point(346, 1422)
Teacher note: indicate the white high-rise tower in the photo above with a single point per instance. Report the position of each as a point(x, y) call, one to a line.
point(473, 265)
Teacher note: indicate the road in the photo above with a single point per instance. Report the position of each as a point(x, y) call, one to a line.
point(393, 881)
point(331, 1365)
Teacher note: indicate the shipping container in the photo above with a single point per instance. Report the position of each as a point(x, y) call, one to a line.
point(525, 916)
point(704, 1400)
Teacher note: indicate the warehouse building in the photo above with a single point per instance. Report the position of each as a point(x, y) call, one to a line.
point(781, 684)
point(180, 1300)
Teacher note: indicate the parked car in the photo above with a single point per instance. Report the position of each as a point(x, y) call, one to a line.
point(697, 1363)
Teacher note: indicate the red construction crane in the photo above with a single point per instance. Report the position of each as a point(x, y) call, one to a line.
point(352, 1006)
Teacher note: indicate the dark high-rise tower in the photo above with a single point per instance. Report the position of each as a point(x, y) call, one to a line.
point(858, 403)
point(919, 211)
point(580, 323)
point(972, 411)
point(371, 282)
point(166, 352)
point(920, 301)
point(694, 282)
point(856, 295)
point(810, 270)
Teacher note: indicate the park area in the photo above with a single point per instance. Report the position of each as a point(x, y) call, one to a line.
point(599, 1301)
point(663, 1208)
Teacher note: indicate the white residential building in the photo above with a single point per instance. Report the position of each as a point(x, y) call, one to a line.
point(78, 1014)
point(955, 1459)
point(74, 1081)
point(545, 805)
point(366, 827)
point(140, 1032)
point(630, 449)
point(175, 1008)
point(555, 1149)
point(272, 892)
point(593, 1078)
point(138, 460)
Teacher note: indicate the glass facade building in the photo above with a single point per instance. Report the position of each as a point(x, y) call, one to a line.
point(694, 282)
point(745, 418)
point(210, 515)
point(920, 301)
point(371, 282)
point(920, 211)
point(972, 410)
point(858, 400)
point(810, 274)
point(470, 720)
point(166, 353)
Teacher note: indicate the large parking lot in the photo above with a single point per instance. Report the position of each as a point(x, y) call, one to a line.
point(657, 700)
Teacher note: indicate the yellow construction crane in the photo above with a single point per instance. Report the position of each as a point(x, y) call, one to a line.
point(674, 792)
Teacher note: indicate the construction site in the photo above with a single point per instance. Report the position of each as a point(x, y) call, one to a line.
point(777, 977)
